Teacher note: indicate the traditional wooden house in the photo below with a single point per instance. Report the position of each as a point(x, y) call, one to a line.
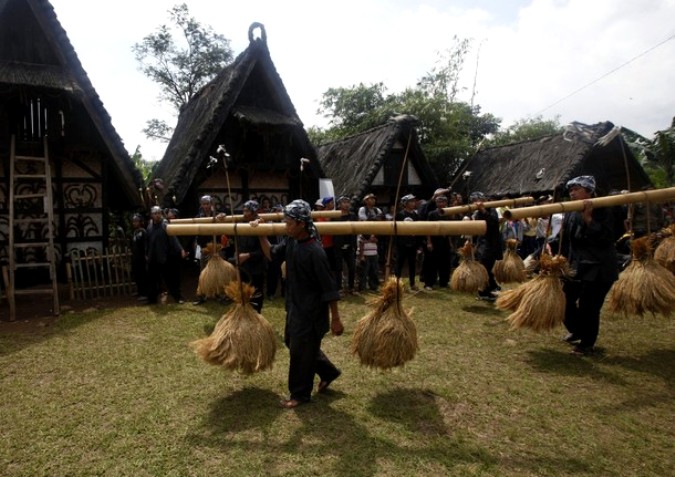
point(247, 110)
point(372, 161)
point(49, 109)
point(542, 166)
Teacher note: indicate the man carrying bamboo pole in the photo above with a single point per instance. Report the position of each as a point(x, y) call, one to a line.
point(489, 246)
point(587, 241)
point(311, 293)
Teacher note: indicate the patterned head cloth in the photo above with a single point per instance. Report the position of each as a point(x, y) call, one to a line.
point(252, 205)
point(326, 200)
point(344, 198)
point(138, 217)
point(206, 199)
point(587, 182)
point(477, 196)
point(301, 210)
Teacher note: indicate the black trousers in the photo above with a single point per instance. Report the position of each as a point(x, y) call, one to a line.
point(348, 256)
point(307, 359)
point(406, 254)
point(438, 266)
point(582, 313)
point(163, 272)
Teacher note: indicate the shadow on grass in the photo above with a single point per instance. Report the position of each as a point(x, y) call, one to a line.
point(338, 442)
point(564, 363)
point(659, 363)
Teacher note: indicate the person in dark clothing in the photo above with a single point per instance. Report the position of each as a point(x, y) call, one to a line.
point(407, 246)
point(139, 266)
point(160, 248)
point(251, 259)
point(345, 247)
point(488, 247)
point(587, 241)
point(310, 295)
point(437, 254)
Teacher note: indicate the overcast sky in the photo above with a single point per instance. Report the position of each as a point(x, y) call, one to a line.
point(581, 60)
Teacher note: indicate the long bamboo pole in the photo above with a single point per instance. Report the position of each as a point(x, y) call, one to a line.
point(439, 227)
point(271, 217)
point(463, 209)
point(658, 195)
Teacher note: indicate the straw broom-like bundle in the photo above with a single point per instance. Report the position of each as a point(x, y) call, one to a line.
point(540, 303)
point(665, 252)
point(242, 340)
point(511, 268)
point(470, 276)
point(386, 337)
point(644, 286)
point(216, 275)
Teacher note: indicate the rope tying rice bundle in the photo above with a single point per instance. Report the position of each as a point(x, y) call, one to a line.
point(511, 268)
point(242, 340)
point(644, 286)
point(540, 303)
point(217, 274)
point(386, 337)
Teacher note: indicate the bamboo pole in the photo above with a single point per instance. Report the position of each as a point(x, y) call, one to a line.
point(455, 227)
point(270, 217)
point(464, 209)
point(658, 195)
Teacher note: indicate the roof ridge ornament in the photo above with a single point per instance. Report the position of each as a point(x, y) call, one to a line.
point(263, 33)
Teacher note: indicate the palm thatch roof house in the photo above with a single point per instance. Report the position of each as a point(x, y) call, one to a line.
point(542, 166)
point(372, 162)
point(246, 109)
point(45, 93)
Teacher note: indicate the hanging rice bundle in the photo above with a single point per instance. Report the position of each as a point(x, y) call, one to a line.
point(470, 276)
point(665, 252)
point(511, 268)
point(386, 337)
point(644, 286)
point(540, 303)
point(217, 274)
point(242, 340)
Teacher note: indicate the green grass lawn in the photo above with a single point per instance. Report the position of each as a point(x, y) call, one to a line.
point(118, 392)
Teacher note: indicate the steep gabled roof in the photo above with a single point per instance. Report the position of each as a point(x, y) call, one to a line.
point(541, 165)
point(353, 162)
point(35, 51)
point(229, 95)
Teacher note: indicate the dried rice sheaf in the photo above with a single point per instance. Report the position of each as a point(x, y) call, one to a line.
point(512, 268)
point(242, 340)
point(470, 276)
point(665, 252)
point(386, 337)
point(539, 304)
point(644, 286)
point(217, 274)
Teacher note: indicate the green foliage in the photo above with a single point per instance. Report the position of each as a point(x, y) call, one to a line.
point(144, 166)
point(448, 129)
point(657, 156)
point(181, 59)
point(527, 129)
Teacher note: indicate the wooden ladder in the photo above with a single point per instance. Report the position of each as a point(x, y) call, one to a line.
point(34, 173)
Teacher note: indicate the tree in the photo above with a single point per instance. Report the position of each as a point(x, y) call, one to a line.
point(657, 156)
point(526, 129)
point(180, 70)
point(449, 130)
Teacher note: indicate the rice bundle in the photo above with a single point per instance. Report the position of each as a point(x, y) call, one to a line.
point(470, 276)
point(242, 340)
point(540, 303)
point(511, 268)
point(644, 286)
point(665, 252)
point(386, 337)
point(217, 274)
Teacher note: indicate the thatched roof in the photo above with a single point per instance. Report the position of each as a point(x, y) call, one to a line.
point(539, 166)
point(36, 52)
point(354, 163)
point(247, 96)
